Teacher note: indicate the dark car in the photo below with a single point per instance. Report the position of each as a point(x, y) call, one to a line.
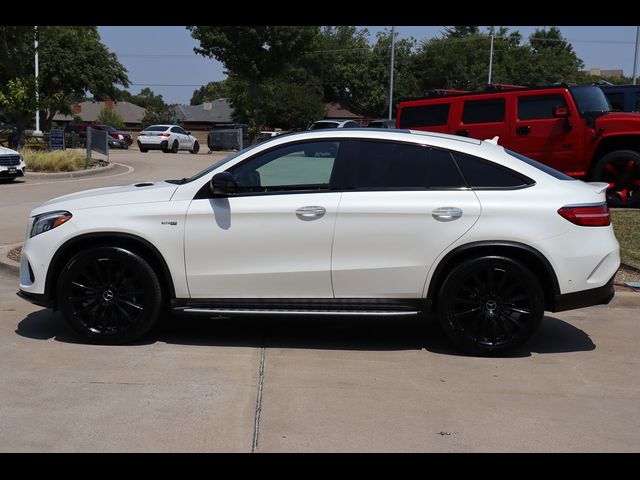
point(623, 98)
point(125, 139)
point(383, 123)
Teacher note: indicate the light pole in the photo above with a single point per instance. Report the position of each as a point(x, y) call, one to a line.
point(490, 58)
point(37, 99)
point(393, 46)
point(635, 56)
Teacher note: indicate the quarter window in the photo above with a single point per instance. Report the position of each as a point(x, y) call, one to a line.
point(424, 115)
point(483, 111)
point(538, 107)
point(483, 174)
point(303, 166)
point(616, 100)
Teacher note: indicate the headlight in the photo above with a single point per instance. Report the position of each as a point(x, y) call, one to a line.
point(48, 221)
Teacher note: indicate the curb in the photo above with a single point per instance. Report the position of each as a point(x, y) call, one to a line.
point(79, 173)
point(6, 264)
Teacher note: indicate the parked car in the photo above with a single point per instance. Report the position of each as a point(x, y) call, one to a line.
point(568, 127)
point(168, 138)
point(377, 223)
point(320, 124)
point(623, 98)
point(234, 136)
point(12, 165)
point(382, 123)
point(125, 139)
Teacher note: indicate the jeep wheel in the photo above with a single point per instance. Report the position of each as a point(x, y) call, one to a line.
point(109, 295)
point(490, 305)
point(621, 170)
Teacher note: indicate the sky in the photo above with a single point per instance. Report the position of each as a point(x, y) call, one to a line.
point(162, 58)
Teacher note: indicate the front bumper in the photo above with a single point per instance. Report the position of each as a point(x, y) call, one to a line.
point(585, 298)
point(39, 299)
point(12, 172)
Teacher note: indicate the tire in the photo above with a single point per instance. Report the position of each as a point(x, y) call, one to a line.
point(175, 147)
point(144, 150)
point(7, 179)
point(490, 305)
point(621, 169)
point(196, 147)
point(109, 295)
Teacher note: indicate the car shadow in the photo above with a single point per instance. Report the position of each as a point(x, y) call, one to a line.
point(330, 332)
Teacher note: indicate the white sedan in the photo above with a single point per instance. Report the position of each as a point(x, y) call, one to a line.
point(364, 222)
point(168, 138)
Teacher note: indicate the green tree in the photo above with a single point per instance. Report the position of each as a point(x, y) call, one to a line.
point(108, 116)
point(72, 62)
point(254, 54)
point(210, 92)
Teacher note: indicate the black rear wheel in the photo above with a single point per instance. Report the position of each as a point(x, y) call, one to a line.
point(621, 170)
point(490, 305)
point(109, 295)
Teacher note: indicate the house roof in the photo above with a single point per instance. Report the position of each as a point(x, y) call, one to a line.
point(218, 111)
point(90, 110)
point(335, 110)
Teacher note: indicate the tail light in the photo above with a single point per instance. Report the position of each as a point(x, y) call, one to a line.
point(595, 215)
point(141, 133)
point(165, 134)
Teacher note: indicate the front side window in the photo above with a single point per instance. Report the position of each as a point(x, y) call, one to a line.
point(483, 111)
point(302, 166)
point(539, 107)
point(424, 115)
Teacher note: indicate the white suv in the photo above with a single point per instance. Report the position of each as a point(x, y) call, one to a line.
point(341, 222)
point(168, 138)
point(12, 165)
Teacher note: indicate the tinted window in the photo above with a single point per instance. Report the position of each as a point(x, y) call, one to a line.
point(318, 126)
point(303, 166)
point(481, 173)
point(351, 125)
point(540, 166)
point(536, 107)
point(637, 109)
point(483, 111)
point(616, 100)
point(424, 115)
point(443, 172)
point(389, 165)
point(155, 128)
point(178, 130)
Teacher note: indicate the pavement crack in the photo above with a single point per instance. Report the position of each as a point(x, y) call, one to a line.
point(256, 421)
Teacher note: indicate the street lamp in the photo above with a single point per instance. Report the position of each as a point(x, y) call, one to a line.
point(393, 46)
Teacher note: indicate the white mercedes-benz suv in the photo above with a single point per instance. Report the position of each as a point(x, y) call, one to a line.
point(339, 222)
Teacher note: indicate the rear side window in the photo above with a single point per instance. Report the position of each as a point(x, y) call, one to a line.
point(538, 107)
point(483, 174)
point(483, 111)
point(616, 100)
point(424, 115)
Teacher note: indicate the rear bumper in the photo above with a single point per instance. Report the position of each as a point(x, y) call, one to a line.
point(585, 298)
point(163, 145)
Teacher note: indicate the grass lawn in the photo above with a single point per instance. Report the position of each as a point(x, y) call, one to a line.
point(54, 161)
point(626, 225)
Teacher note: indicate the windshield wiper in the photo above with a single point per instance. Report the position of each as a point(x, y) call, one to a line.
point(178, 182)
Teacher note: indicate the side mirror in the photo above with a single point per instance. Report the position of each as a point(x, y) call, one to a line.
point(560, 112)
point(188, 133)
point(223, 185)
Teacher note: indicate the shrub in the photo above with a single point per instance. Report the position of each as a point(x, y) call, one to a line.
point(109, 116)
point(56, 161)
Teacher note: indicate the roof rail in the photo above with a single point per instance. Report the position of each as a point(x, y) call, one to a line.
point(498, 87)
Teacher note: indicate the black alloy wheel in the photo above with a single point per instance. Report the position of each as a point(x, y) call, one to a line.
point(174, 147)
point(109, 295)
point(490, 305)
point(621, 170)
point(196, 147)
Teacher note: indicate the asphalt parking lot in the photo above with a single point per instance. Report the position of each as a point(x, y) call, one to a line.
point(300, 384)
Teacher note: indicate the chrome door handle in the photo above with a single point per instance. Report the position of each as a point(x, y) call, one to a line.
point(446, 214)
point(310, 212)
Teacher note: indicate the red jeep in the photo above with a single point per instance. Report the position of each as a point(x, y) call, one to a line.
point(568, 127)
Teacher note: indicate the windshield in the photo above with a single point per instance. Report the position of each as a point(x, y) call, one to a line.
point(319, 125)
point(590, 99)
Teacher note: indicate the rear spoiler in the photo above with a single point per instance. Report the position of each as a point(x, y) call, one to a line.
point(493, 140)
point(600, 186)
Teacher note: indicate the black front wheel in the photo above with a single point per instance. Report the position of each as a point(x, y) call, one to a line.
point(109, 295)
point(196, 147)
point(490, 305)
point(175, 146)
point(621, 170)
